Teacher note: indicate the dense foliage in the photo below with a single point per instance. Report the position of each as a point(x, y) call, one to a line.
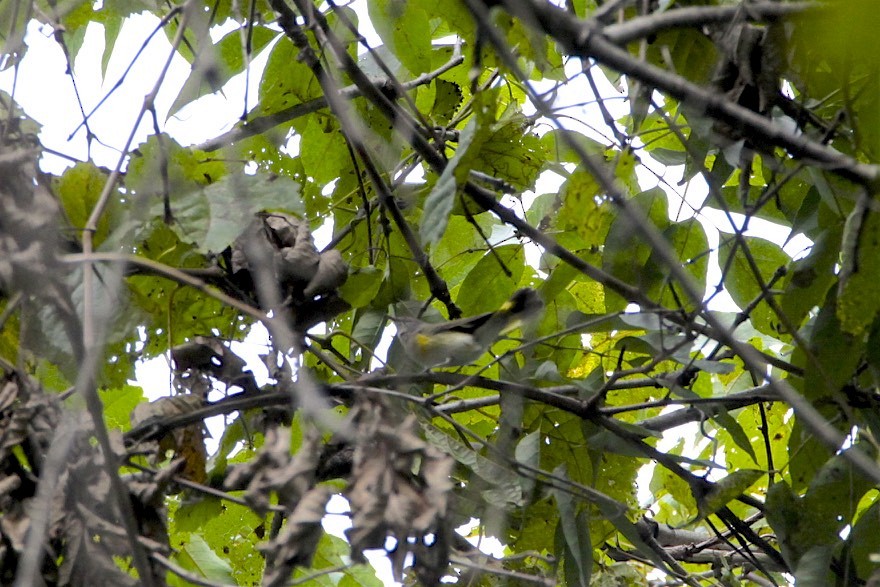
point(698, 403)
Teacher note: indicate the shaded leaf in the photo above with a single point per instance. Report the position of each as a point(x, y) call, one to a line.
point(726, 490)
point(744, 285)
point(578, 551)
point(860, 251)
point(438, 204)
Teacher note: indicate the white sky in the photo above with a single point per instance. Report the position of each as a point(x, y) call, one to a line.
point(47, 94)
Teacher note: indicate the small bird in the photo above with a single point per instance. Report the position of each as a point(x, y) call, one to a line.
point(463, 341)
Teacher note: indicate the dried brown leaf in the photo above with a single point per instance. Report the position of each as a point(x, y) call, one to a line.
point(399, 488)
point(275, 470)
point(298, 540)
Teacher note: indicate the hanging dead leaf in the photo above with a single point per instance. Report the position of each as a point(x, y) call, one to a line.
point(187, 442)
point(332, 272)
point(209, 355)
point(298, 539)
point(275, 470)
point(282, 245)
point(399, 488)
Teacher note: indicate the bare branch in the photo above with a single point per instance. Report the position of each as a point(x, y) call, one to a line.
point(697, 16)
point(261, 124)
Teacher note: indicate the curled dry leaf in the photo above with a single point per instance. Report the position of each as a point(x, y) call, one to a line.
point(148, 492)
point(286, 229)
point(399, 488)
point(275, 470)
point(208, 355)
point(283, 244)
point(28, 419)
point(332, 273)
point(187, 442)
point(29, 242)
point(298, 539)
point(298, 263)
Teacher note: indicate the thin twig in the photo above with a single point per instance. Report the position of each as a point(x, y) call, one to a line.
point(263, 123)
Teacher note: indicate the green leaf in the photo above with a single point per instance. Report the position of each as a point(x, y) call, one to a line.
point(504, 481)
point(196, 556)
point(119, 404)
point(187, 310)
point(617, 516)
point(813, 569)
point(783, 515)
point(528, 449)
point(858, 303)
point(689, 241)
point(694, 54)
point(578, 550)
point(510, 152)
point(726, 490)
point(660, 141)
point(811, 524)
point(448, 97)
point(194, 515)
point(737, 434)
point(334, 553)
point(286, 81)
point(461, 247)
point(216, 215)
point(810, 278)
point(744, 285)
point(112, 27)
point(396, 285)
point(160, 156)
point(232, 51)
point(845, 23)
point(439, 203)
point(76, 22)
point(78, 189)
point(836, 353)
point(626, 252)
point(228, 528)
point(558, 146)
point(864, 541)
point(403, 26)
point(833, 496)
point(584, 209)
point(15, 20)
point(528, 452)
point(324, 151)
point(368, 329)
point(807, 454)
point(502, 268)
point(665, 485)
point(217, 64)
point(361, 287)
point(448, 17)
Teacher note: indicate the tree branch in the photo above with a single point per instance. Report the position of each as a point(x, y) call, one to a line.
point(585, 38)
point(697, 16)
point(261, 124)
